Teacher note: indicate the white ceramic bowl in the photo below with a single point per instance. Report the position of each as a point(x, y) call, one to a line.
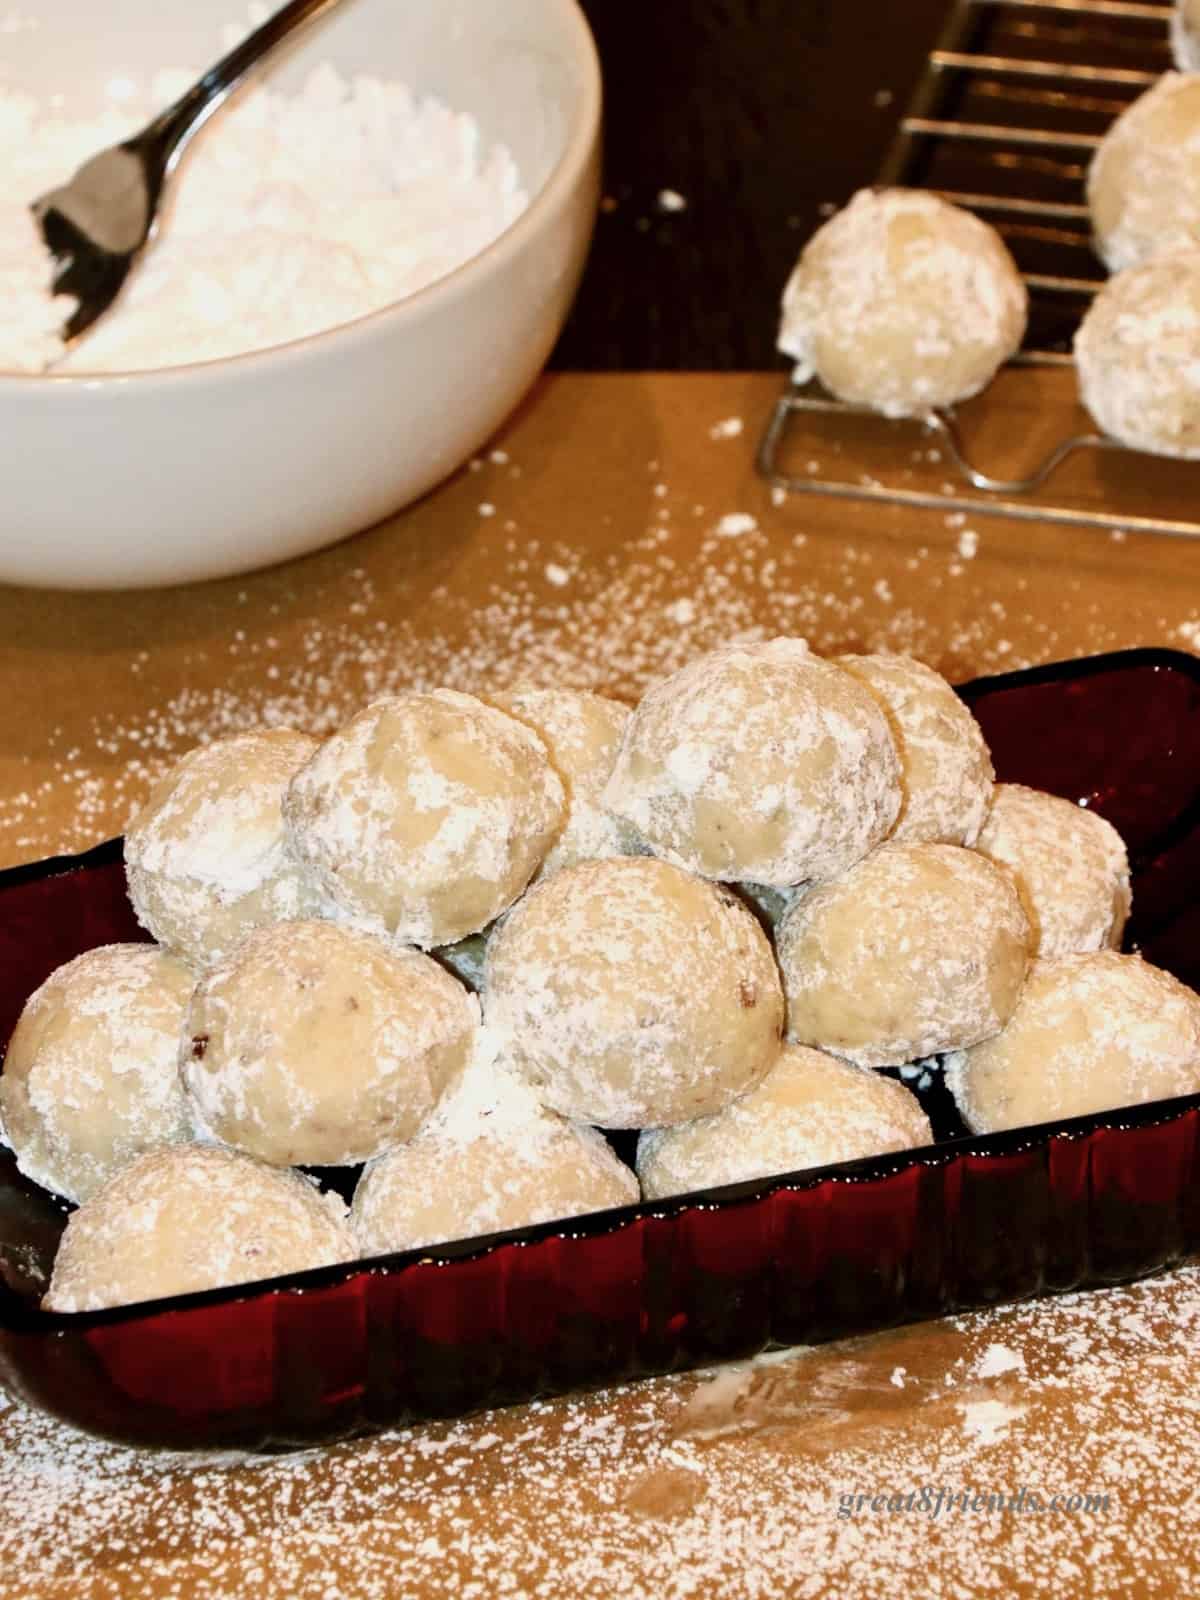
point(198, 472)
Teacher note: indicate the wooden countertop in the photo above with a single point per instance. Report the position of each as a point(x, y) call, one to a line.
point(607, 537)
point(616, 539)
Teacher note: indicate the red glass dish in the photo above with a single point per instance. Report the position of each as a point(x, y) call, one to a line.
point(652, 1288)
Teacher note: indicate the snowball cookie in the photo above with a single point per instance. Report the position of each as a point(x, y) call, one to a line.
point(945, 763)
point(920, 948)
point(810, 1110)
point(1070, 866)
point(582, 733)
point(193, 1217)
point(1137, 354)
point(491, 1158)
point(426, 815)
point(1143, 185)
point(90, 1079)
point(1091, 1032)
point(205, 856)
point(1185, 35)
point(902, 302)
point(759, 763)
point(631, 994)
point(317, 1045)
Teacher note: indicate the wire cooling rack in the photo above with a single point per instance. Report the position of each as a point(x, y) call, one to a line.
point(1013, 102)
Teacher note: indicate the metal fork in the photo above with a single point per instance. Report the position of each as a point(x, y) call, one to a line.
point(96, 225)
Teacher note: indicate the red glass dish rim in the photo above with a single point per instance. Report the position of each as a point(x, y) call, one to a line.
point(18, 1316)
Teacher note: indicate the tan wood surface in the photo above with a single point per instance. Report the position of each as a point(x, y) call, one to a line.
point(613, 486)
point(622, 538)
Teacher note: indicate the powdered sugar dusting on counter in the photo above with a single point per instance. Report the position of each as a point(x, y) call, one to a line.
point(684, 1487)
point(746, 1482)
point(442, 597)
point(290, 214)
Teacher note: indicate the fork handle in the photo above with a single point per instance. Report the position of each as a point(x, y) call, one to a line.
point(174, 126)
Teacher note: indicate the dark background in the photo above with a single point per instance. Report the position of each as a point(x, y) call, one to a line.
point(758, 112)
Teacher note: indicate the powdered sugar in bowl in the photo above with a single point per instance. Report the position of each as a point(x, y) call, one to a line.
point(242, 408)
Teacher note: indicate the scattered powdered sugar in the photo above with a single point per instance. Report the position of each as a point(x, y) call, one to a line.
point(728, 428)
point(743, 1481)
point(290, 214)
point(998, 1359)
point(735, 523)
point(311, 653)
point(987, 1420)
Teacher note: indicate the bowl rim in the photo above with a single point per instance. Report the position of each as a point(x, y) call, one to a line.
point(564, 176)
